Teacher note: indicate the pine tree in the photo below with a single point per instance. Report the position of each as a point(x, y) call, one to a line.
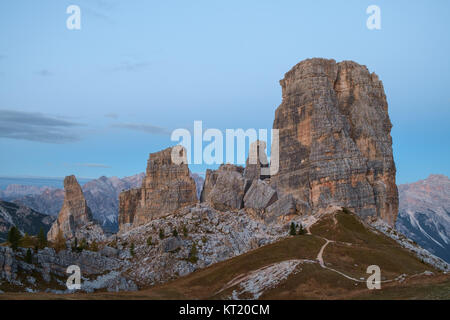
point(14, 237)
point(28, 256)
point(292, 229)
point(185, 231)
point(83, 245)
point(75, 245)
point(60, 242)
point(301, 231)
point(161, 234)
point(42, 239)
point(149, 241)
point(132, 249)
point(175, 233)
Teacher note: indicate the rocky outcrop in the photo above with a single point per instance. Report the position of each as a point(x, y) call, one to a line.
point(334, 139)
point(75, 217)
point(167, 187)
point(224, 188)
point(260, 195)
point(50, 267)
point(217, 236)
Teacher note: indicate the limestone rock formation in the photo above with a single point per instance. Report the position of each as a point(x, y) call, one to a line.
point(256, 160)
point(225, 187)
point(334, 139)
point(260, 195)
point(167, 187)
point(75, 217)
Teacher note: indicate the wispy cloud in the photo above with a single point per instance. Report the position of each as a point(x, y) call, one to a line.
point(143, 127)
point(92, 165)
point(99, 9)
point(44, 73)
point(112, 115)
point(129, 66)
point(33, 126)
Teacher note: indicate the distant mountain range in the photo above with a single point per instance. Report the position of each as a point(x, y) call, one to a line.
point(102, 196)
point(24, 218)
point(424, 214)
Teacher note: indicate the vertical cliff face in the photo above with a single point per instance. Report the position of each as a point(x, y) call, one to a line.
point(75, 217)
point(335, 142)
point(166, 188)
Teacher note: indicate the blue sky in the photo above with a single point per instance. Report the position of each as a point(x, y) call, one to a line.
point(107, 95)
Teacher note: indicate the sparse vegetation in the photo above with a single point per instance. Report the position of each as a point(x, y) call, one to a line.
point(301, 230)
point(94, 246)
point(161, 234)
point(132, 249)
point(149, 241)
point(83, 245)
point(42, 239)
point(193, 254)
point(204, 239)
point(175, 232)
point(185, 231)
point(60, 242)
point(74, 246)
point(28, 256)
point(27, 241)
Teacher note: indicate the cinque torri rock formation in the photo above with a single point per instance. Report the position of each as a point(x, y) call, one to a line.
point(335, 143)
point(75, 217)
point(166, 188)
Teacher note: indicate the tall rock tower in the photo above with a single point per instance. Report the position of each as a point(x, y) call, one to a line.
point(167, 186)
point(335, 142)
point(75, 217)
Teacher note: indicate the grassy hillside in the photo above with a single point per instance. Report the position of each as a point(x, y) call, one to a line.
point(355, 247)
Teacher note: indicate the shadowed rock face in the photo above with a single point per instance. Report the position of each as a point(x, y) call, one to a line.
point(335, 143)
point(75, 215)
point(166, 188)
point(224, 188)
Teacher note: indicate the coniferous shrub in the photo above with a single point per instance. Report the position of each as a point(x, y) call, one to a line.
point(292, 229)
point(301, 230)
point(193, 254)
point(175, 232)
point(149, 241)
point(60, 242)
point(161, 234)
point(132, 249)
point(28, 256)
point(42, 239)
point(14, 237)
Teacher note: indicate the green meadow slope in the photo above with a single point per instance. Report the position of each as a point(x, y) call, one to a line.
point(329, 262)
